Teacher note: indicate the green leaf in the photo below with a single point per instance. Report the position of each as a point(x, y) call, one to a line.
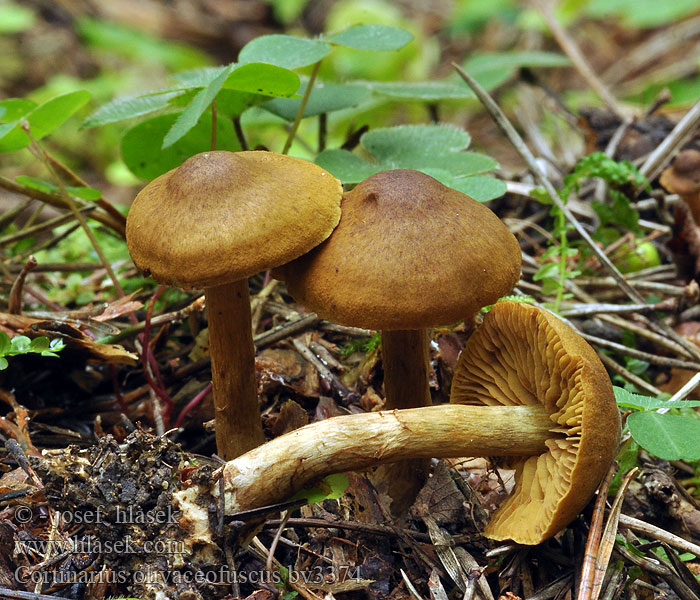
point(479, 187)
point(3, 363)
point(436, 150)
point(667, 436)
point(329, 488)
point(627, 399)
point(189, 117)
point(263, 79)
point(44, 119)
point(346, 166)
point(421, 91)
point(284, 51)
point(39, 344)
point(324, 98)
point(410, 144)
point(14, 18)
point(5, 343)
point(141, 145)
point(20, 344)
point(121, 109)
point(548, 271)
point(15, 108)
point(372, 37)
point(195, 78)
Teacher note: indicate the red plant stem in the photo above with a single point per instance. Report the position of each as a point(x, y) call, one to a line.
point(191, 405)
point(148, 359)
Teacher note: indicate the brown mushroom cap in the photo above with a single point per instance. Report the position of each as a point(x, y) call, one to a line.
point(408, 253)
point(683, 176)
point(523, 355)
point(223, 216)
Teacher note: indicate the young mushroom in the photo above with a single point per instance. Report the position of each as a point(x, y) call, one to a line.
point(526, 386)
point(408, 254)
point(683, 178)
point(211, 223)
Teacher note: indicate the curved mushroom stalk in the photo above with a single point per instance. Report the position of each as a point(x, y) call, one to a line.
point(526, 387)
point(409, 253)
point(273, 472)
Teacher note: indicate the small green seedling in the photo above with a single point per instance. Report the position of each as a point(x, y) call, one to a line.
point(21, 344)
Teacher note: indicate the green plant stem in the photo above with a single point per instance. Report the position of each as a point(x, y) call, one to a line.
point(302, 107)
point(563, 246)
point(79, 181)
point(39, 151)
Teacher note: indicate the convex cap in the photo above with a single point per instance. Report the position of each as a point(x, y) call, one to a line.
point(523, 355)
point(223, 216)
point(408, 253)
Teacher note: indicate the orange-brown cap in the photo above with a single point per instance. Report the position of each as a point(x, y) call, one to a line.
point(408, 253)
point(524, 355)
point(223, 216)
point(683, 176)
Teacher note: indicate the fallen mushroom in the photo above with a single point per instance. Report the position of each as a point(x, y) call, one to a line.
point(211, 223)
point(409, 253)
point(527, 386)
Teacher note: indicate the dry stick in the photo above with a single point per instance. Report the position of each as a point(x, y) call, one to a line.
point(607, 542)
point(56, 200)
point(652, 531)
point(645, 333)
point(580, 63)
point(661, 156)
point(14, 304)
point(49, 224)
point(595, 532)
point(640, 354)
point(616, 367)
point(505, 125)
point(507, 128)
point(587, 310)
point(302, 107)
point(651, 49)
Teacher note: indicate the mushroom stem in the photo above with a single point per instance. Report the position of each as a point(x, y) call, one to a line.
point(406, 364)
point(236, 411)
point(276, 470)
point(405, 359)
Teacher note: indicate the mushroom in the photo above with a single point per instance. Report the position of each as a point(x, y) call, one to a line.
point(211, 223)
point(409, 253)
point(683, 178)
point(527, 386)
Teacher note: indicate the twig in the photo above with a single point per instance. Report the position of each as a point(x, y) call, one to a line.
point(646, 333)
point(607, 542)
point(76, 213)
point(663, 153)
point(57, 201)
point(505, 125)
point(579, 61)
point(595, 532)
point(628, 375)
point(652, 531)
point(14, 304)
point(323, 371)
point(654, 359)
